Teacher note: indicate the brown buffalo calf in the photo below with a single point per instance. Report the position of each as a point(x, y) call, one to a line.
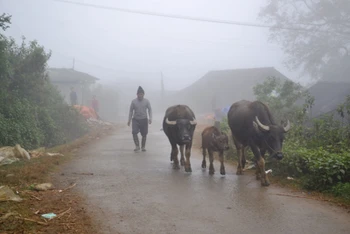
point(214, 141)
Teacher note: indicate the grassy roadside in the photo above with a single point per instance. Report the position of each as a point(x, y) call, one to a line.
point(25, 216)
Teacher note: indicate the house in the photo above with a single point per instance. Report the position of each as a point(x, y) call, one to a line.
point(222, 88)
point(63, 79)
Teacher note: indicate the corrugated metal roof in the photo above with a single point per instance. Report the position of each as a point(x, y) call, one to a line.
point(64, 75)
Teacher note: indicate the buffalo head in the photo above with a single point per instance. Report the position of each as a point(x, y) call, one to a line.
point(272, 137)
point(220, 142)
point(185, 128)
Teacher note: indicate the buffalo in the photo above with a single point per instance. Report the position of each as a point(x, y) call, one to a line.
point(214, 141)
point(179, 124)
point(252, 125)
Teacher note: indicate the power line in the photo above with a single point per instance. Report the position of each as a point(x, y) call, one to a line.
point(188, 17)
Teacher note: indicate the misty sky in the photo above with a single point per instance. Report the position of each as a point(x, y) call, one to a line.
point(113, 45)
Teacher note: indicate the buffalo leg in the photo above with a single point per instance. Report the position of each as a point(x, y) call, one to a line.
point(261, 164)
point(257, 170)
point(182, 160)
point(222, 166)
point(211, 160)
point(174, 153)
point(258, 173)
point(239, 148)
point(188, 155)
point(244, 151)
point(204, 163)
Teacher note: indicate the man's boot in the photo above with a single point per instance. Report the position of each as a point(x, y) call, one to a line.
point(143, 143)
point(137, 143)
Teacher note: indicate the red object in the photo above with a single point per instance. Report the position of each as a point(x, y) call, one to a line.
point(87, 112)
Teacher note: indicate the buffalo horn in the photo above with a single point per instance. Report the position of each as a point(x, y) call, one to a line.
point(266, 128)
point(287, 127)
point(170, 122)
point(193, 122)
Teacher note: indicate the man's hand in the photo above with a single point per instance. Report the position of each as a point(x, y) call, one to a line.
point(149, 121)
point(129, 123)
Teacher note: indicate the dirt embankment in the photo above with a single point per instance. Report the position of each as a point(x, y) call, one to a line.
point(26, 216)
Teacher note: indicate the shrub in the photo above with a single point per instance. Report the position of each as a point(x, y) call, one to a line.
point(318, 168)
point(32, 112)
point(342, 190)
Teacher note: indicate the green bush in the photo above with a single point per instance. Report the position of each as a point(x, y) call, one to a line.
point(224, 126)
point(341, 190)
point(318, 168)
point(32, 112)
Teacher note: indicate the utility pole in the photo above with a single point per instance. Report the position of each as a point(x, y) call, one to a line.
point(73, 63)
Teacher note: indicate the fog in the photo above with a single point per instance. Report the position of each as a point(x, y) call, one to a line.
point(125, 50)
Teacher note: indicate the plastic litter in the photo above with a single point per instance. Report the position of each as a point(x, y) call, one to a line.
point(43, 187)
point(268, 171)
point(49, 215)
point(290, 178)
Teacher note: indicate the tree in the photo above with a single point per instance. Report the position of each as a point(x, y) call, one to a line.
point(32, 111)
point(282, 96)
point(318, 38)
point(4, 21)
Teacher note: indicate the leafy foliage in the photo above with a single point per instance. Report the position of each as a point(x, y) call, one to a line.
point(342, 190)
point(281, 97)
point(318, 168)
point(5, 20)
point(316, 150)
point(318, 42)
point(32, 112)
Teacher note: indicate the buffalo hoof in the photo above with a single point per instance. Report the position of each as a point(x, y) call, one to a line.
point(189, 169)
point(171, 158)
point(265, 182)
point(204, 164)
point(239, 171)
point(211, 172)
point(182, 162)
point(176, 166)
point(222, 171)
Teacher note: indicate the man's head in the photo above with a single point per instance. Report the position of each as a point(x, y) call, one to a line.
point(140, 93)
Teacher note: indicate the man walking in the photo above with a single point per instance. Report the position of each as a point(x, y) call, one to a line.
point(138, 116)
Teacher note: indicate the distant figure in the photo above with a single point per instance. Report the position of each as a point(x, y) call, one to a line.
point(73, 97)
point(138, 115)
point(94, 103)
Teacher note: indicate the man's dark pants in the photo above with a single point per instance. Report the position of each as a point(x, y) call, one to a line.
point(140, 125)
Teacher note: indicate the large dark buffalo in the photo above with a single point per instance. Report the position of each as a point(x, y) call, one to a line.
point(179, 124)
point(252, 125)
point(214, 141)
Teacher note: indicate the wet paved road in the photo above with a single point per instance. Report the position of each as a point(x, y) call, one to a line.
point(140, 193)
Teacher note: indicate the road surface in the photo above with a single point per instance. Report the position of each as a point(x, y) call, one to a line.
point(141, 193)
